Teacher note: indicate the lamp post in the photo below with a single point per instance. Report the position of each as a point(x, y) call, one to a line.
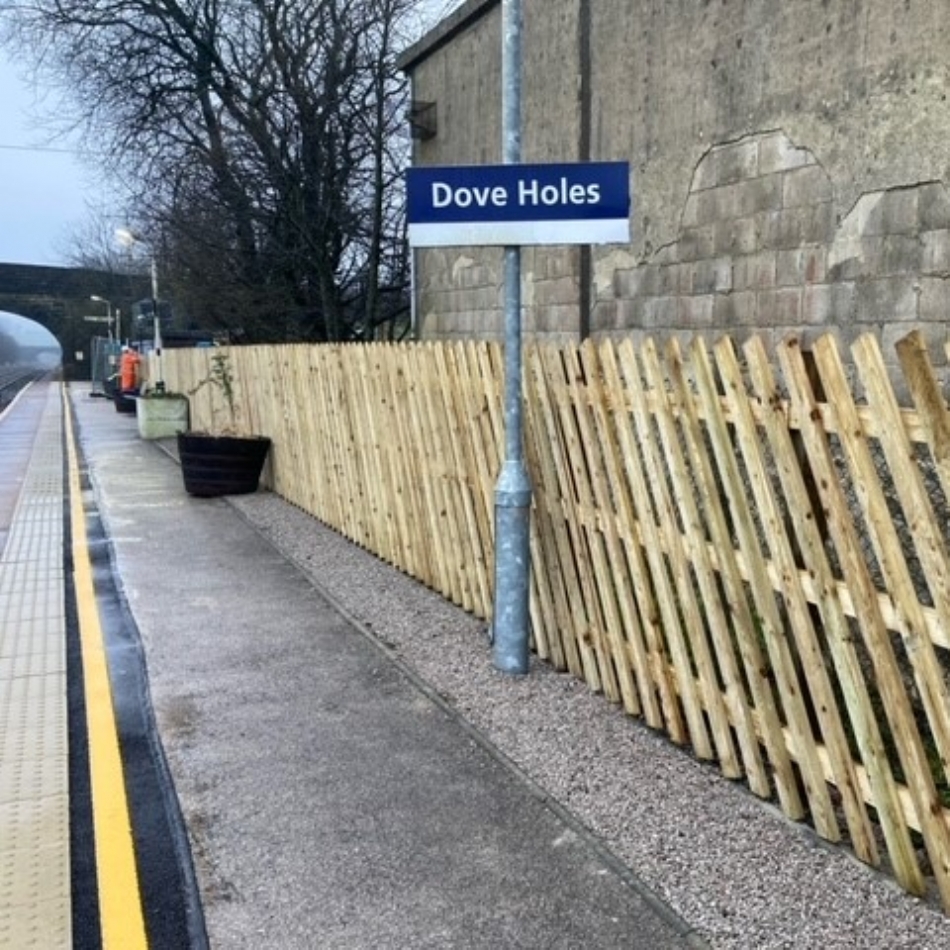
point(108, 304)
point(511, 623)
point(128, 238)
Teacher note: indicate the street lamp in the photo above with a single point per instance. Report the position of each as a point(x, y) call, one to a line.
point(128, 238)
point(108, 304)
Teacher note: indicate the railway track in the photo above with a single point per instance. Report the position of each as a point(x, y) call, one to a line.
point(13, 379)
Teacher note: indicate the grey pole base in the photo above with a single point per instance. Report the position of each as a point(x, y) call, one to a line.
point(512, 569)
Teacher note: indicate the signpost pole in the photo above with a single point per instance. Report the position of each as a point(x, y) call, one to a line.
point(513, 489)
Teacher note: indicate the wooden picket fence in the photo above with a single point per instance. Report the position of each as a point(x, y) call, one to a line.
point(750, 552)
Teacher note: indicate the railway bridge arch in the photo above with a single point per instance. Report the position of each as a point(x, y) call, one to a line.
point(60, 299)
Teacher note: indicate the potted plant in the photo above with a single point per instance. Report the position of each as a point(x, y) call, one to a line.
point(221, 464)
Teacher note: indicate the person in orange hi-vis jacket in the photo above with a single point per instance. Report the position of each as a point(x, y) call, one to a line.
point(129, 368)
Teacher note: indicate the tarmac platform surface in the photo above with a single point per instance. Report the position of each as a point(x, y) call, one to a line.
point(330, 802)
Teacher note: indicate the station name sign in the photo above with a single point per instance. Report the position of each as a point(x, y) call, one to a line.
point(513, 205)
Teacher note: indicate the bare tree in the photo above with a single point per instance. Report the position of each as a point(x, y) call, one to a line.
point(266, 139)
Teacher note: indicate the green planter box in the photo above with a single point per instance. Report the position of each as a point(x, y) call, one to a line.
point(161, 417)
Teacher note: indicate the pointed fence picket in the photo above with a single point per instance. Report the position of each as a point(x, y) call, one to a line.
point(747, 550)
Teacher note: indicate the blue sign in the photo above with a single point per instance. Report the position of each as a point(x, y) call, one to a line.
point(513, 205)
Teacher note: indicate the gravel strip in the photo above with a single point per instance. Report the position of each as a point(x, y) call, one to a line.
point(732, 866)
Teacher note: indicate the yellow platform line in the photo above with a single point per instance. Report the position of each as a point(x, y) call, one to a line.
point(120, 899)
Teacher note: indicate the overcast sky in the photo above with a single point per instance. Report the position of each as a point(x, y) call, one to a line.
point(44, 194)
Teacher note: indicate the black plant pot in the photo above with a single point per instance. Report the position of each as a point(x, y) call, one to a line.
point(123, 403)
point(221, 465)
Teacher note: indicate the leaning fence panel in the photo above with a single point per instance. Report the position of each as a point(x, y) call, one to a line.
point(748, 550)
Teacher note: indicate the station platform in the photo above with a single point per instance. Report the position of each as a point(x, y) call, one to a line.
point(34, 772)
point(199, 749)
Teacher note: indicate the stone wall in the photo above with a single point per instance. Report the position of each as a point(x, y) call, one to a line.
point(788, 165)
point(759, 248)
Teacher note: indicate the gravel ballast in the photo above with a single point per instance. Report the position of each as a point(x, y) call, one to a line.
point(732, 866)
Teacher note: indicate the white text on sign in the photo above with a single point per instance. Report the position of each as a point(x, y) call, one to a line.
point(530, 193)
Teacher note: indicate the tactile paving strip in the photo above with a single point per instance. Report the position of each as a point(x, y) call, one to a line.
point(34, 782)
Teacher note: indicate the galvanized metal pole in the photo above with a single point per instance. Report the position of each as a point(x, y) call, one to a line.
point(513, 489)
point(157, 328)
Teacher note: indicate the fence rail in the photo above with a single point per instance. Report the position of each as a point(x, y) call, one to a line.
point(748, 552)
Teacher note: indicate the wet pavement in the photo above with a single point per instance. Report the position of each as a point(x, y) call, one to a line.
point(330, 801)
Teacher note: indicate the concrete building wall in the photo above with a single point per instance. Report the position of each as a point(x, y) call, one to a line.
point(788, 163)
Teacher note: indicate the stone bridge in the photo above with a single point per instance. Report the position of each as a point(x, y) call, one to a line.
point(59, 299)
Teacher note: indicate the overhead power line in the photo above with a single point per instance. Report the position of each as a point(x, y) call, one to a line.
point(37, 148)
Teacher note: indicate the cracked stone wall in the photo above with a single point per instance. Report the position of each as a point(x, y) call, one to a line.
point(759, 248)
point(788, 164)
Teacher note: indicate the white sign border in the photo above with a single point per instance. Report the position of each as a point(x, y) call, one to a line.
point(517, 233)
